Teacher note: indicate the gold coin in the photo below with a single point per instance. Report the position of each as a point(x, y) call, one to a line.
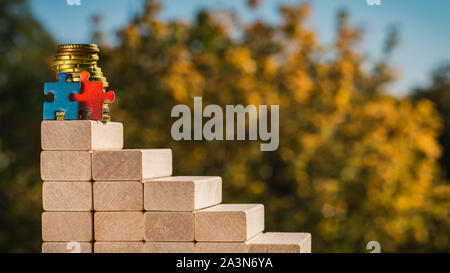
point(92, 62)
point(77, 57)
point(78, 49)
point(71, 56)
point(72, 76)
point(69, 66)
point(91, 74)
point(70, 46)
point(85, 113)
point(66, 71)
point(90, 69)
point(74, 65)
point(91, 78)
point(97, 79)
point(60, 115)
point(73, 79)
point(77, 52)
point(96, 74)
point(76, 74)
point(77, 79)
point(75, 61)
point(78, 70)
point(106, 118)
point(105, 83)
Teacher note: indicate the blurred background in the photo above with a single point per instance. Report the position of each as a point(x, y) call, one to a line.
point(364, 95)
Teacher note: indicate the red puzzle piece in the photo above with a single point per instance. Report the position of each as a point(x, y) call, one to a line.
point(92, 96)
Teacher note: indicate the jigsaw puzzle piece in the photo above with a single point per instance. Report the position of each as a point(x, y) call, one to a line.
point(61, 90)
point(92, 96)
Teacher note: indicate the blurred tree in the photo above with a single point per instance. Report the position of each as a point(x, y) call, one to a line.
point(25, 49)
point(254, 3)
point(98, 36)
point(439, 93)
point(354, 164)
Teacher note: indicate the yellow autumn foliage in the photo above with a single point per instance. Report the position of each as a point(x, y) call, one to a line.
point(354, 164)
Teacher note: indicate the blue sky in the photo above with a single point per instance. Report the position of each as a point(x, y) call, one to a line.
point(424, 25)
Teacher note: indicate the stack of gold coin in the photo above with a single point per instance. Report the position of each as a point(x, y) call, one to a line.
point(74, 58)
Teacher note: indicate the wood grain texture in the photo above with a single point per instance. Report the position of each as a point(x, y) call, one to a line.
point(118, 196)
point(229, 222)
point(169, 226)
point(119, 226)
point(67, 226)
point(62, 247)
point(67, 196)
point(66, 165)
point(80, 135)
point(118, 247)
point(169, 247)
point(135, 165)
point(182, 193)
point(281, 242)
point(222, 247)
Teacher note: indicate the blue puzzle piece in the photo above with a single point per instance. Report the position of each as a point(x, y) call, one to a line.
point(61, 91)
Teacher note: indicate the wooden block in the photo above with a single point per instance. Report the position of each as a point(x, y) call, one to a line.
point(119, 247)
point(169, 247)
point(66, 247)
point(80, 135)
point(222, 247)
point(131, 164)
point(119, 226)
point(67, 226)
point(118, 196)
point(169, 226)
point(229, 222)
point(281, 242)
point(67, 196)
point(66, 165)
point(182, 193)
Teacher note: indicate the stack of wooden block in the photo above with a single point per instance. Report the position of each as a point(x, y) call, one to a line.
point(112, 200)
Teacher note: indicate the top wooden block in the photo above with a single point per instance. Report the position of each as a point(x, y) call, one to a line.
point(133, 164)
point(80, 135)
